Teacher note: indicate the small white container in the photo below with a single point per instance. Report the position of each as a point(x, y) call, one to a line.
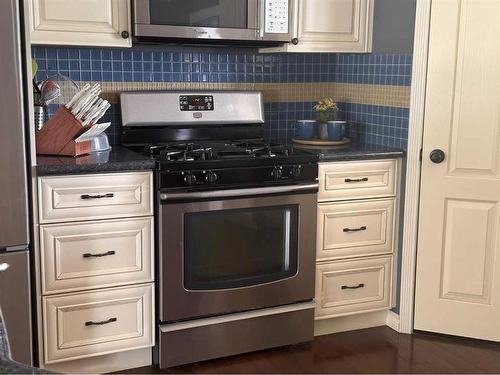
point(100, 143)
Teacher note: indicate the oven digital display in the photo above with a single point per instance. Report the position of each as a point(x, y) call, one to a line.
point(196, 102)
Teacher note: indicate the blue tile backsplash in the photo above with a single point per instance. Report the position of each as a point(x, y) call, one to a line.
point(379, 124)
point(142, 64)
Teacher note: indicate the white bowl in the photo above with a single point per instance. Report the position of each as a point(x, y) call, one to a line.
point(100, 143)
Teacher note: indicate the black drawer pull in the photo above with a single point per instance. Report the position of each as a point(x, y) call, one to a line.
point(353, 287)
point(98, 196)
point(91, 323)
point(354, 229)
point(89, 255)
point(364, 179)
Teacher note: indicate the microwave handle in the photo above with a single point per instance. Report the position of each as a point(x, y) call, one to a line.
point(261, 17)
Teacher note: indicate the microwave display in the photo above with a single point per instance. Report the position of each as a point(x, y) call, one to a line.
point(196, 102)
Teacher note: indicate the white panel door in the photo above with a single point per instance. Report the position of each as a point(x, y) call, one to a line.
point(334, 25)
point(458, 268)
point(81, 22)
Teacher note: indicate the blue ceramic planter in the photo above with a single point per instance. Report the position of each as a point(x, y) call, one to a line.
point(306, 129)
point(336, 130)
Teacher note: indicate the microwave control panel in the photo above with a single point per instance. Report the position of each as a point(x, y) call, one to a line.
point(196, 102)
point(276, 19)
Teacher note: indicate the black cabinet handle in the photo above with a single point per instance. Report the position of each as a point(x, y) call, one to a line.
point(354, 229)
point(295, 41)
point(89, 255)
point(353, 287)
point(364, 179)
point(125, 34)
point(91, 323)
point(98, 196)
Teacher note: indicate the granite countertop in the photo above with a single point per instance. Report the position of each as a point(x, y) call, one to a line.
point(117, 159)
point(120, 158)
point(353, 151)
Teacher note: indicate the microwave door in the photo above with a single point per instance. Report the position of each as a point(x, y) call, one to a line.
point(197, 19)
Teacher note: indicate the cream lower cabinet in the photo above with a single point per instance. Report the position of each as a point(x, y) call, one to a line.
point(331, 26)
point(96, 269)
point(356, 237)
point(81, 22)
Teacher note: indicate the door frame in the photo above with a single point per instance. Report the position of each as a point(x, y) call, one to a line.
point(413, 165)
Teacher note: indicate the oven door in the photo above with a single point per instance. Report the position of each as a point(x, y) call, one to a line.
point(235, 250)
point(197, 19)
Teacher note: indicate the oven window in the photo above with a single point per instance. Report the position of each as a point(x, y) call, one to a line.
point(200, 13)
point(242, 247)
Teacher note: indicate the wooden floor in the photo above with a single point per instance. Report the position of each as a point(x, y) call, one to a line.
point(374, 350)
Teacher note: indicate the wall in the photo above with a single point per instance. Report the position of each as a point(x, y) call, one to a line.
point(372, 89)
point(393, 26)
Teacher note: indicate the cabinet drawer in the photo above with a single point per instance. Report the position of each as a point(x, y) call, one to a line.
point(89, 324)
point(352, 287)
point(352, 229)
point(88, 255)
point(355, 180)
point(100, 196)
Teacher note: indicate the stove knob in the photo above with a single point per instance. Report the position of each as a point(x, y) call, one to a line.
point(211, 177)
point(190, 179)
point(277, 173)
point(296, 171)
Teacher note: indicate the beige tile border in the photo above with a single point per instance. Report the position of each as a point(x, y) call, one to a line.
point(386, 95)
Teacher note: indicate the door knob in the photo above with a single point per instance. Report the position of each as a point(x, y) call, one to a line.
point(437, 156)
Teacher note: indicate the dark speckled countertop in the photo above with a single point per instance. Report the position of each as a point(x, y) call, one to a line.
point(117, 159)
point(122, 159)
point(353, 151)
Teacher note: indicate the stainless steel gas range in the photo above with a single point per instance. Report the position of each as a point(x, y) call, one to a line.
point(237, 224)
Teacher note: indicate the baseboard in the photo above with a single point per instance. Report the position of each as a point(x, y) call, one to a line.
point(105, 363)
point(392, 320)
point(350, 323)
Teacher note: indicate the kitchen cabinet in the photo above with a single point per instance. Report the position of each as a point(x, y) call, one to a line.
point(331, 26)
point(81, 23)
point(96, 269)
point(356, 237)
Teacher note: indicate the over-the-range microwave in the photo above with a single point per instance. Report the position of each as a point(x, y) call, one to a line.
point(213, 21)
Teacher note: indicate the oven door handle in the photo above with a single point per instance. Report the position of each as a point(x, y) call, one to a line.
point(231, 193)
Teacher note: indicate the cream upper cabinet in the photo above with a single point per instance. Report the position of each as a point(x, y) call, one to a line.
point(331, 26)
point(81, 22)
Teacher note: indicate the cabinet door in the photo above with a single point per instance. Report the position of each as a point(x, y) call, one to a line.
point(77, 22)
point(334, 26)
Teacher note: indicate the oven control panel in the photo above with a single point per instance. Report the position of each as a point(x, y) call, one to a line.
point(196, 102)
point(238, 176)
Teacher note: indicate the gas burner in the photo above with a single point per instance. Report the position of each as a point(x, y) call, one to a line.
point(185, 152)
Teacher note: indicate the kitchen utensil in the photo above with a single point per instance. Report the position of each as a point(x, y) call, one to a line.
point(68, 88)
point(50, 91)
point(39, 116)
point(94, 131)
point(34, 68)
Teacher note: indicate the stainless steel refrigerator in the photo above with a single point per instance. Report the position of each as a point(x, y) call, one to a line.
point(15, 298)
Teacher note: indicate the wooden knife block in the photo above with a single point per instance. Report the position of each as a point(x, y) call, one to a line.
point(57, 136)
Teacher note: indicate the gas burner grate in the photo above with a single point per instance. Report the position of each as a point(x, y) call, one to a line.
point(217, 151)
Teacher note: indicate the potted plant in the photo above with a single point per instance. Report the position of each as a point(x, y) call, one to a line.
point(326, 113)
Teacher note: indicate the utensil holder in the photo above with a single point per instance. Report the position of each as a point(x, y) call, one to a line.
point(39, 117)
point(57, 136)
